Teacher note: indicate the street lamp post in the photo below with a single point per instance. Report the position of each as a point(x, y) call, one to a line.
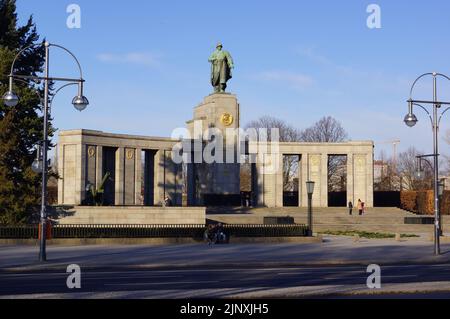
point(310, 191)
point(80, 102)
point(411, 120)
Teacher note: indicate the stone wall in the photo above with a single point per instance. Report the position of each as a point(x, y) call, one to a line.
point(314, 166)
point(81, 161)
point(132, 215)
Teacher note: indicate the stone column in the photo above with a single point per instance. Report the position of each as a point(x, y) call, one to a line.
point(350, 182)
point(159, 177)
point(324, 181)
point(259, 179)
point(91, 165)
point(304, 178)
point(119, 182)
point(360, 177)
point(80, 185)
point(279, 181)
point(270, 183)
point(369, 176)
point(315, 171)
point(129, 176)
point(61, 174)
point(99, 166)
point(139, 199)
point(171, 181)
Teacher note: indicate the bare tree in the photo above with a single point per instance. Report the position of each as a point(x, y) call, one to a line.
point(329, 130)
point(287, 132)
point(407, 166)
point(326, 130)
point(386, 178)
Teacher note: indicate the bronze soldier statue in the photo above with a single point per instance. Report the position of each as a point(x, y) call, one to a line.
point(221, 66)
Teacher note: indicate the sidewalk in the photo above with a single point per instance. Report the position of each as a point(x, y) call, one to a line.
point(333, 251)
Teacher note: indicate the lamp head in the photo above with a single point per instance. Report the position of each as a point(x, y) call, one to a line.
point(419, 174)
point(310, 187)
point(441, 187)
point(10, 99)
point(36, 166)
point(410, 119)
point(80, 102)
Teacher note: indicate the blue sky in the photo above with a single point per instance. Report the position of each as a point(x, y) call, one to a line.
point(146, 65)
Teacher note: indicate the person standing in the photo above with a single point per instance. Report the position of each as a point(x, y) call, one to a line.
point(350, 208)
point(360, 207)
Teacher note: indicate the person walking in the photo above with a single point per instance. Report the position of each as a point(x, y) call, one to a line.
point(350, 208)
point(360, 207)
point(363, 207)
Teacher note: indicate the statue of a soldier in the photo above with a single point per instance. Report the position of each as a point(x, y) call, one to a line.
point(221, 66)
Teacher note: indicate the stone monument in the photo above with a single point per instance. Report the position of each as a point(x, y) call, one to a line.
point(217, 182)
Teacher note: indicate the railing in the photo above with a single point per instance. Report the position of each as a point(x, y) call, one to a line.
point(152, 231)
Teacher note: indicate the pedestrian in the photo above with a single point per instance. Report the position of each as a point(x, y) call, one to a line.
point(350, 208)
point(210, 234)
point(360, 207)
point(363, 207)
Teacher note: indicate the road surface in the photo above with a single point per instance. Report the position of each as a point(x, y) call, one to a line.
point(215, 282)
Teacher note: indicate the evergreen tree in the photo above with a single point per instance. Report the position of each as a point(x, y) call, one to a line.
point(20, 126)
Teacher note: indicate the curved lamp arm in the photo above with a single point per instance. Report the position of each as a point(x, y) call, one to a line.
point(49, 45)
point(20, 53)
point(442, 114)
point(73, 56)
point(423, 75)
point(415, 82)
point(443, 75)
point(425, 109)
point(427, 161)
point(56, 92)
point(41, 99)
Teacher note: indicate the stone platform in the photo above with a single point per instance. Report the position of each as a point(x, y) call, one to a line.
point(130, 215)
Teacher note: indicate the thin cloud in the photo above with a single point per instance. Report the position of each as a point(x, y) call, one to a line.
point(311, 54)
point(138, 58)
point(294, 80)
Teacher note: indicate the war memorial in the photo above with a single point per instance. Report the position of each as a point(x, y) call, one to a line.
point(139, 174)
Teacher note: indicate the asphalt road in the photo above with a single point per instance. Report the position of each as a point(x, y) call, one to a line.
point(113, 280)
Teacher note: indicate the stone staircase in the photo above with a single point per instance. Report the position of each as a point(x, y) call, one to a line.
point(389, 220)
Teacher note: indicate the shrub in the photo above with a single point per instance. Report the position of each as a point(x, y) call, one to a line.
point(408, 200)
